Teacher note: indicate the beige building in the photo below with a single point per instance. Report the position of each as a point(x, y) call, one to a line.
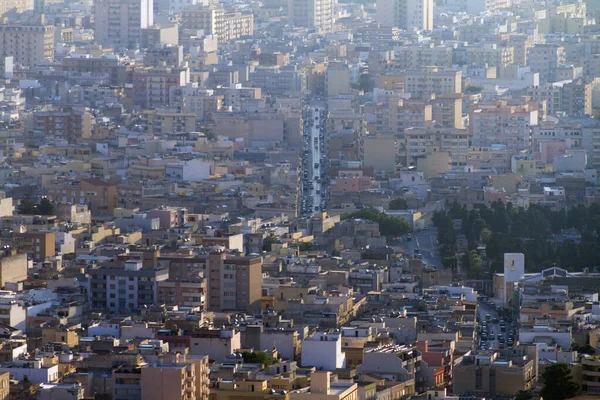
point(447, 110)
point(406, 14)
point(29, 43)
point(119, 23)
point(504, 122)
point(18, 5)
point(420, 142)
point(316, 14)
point(417, 56)
point(175, 381)
point(169, 122)
point(216, 21)
point(432, 80)
point(494, 374)
point(322, 388)
point(13, 267)
point(545, 59)
point(234, 283)
point(337, 79)
point(380, 153)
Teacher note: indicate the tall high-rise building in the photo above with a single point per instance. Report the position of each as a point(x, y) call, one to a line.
point(406, 14)
point(30, 43)
point(316, 14)
point(118, 23)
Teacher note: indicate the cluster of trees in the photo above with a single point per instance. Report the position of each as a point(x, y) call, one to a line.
point(507, 229)
point(258, 357)
point(399, 203)
point(389, 225)
point(30, 207)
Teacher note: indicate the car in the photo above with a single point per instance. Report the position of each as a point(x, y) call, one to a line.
point(409, 237)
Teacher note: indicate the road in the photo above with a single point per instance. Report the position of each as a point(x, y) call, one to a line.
point(426, 242)
point(493, 329)
point(314, 182)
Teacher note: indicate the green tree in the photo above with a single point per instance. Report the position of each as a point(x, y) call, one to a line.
point(268, 241)
point(389, 225)
point(27, 207)
point(558, 382)
point(473, 264)
point(258, 357)
point(399, 203)
point(305, 246)
point(46, 207)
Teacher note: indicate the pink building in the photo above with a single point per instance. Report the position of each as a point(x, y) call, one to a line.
point(351, 184)
point(169, 217)
point(547, 150)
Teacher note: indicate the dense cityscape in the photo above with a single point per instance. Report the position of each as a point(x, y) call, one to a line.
point(299, 199)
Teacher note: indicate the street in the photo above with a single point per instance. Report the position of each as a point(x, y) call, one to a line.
point(491, 335)
point(314, 188)
point(426, 242)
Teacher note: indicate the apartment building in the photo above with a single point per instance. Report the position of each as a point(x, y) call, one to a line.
point(175, 381)
point(489, 54)
point(413, 57)
point(323, 350)
point(494, 374)
point(313, 14)
point(37, 245)
point(226, 26)
point(545, 59)
point(152, 86)
point(406, 14)
point(573, 98)
point(408, 113)
point(66, 123)
point(186, 293)
point(505, 123)
point(118, 23)
point(426, 81)
point(234, 283)
point(446, 110)
point(590, 375)
point(30, 43)
point(13, 266)
point(337, 79)
point(395, 362)
point(98, 195)
point(420, 142)
point(117, 69)
point(19, 6)
point(128, 287)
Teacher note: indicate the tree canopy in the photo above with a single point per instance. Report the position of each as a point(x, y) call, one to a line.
point(389, 225)
point(30, 207)
point(258, 357)
point(568, 238)
point(399, 203)
point(558, 382)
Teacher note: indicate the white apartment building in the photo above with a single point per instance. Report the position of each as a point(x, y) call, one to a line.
point(406, 14)
point(119, 23)
point(215, 21)
point(323, 350)
point(315, 14)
